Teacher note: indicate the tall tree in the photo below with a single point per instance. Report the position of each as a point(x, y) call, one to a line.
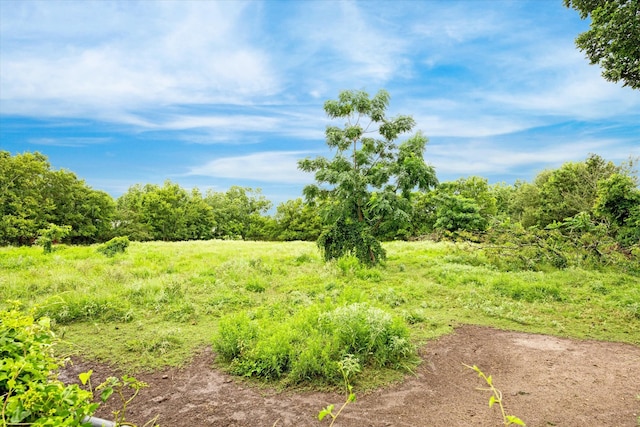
point(89, 212)
point(571, 189)
point(619, 202)
point(32, 197)
point(130, 217)
point(199, 217)
point(613, 39)
point(169, 212)
point(370, 178)
point(238, 212)
point(465, 204)
point(297, 220)
point(23, 207)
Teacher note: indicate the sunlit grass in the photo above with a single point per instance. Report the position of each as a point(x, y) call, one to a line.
point(159, 302)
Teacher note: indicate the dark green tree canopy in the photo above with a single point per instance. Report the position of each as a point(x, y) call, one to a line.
point(238, 212)
point(370, 179)
point(467, 204)
point(170, 213)
point(297, 220)
point(613, 40)
point(33, 196)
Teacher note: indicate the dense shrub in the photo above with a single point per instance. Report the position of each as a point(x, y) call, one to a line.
point(369, 333)
point(578, 241)
point(117, 245)
point(308, 345)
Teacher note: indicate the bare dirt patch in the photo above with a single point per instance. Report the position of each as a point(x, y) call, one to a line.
point(546, 381)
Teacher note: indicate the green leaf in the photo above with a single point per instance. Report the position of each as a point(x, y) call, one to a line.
point(85, 376)
point(515, 420)
point(106, 393)
point(492, 401)
point(326, 411)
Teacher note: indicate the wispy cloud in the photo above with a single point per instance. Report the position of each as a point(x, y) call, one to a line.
point(338, 43)
point(490, 158)
point(273, 166)
point(203, 56)
point(556, 83)
point(69, 141)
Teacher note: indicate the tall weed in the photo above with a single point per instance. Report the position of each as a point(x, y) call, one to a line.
point(70, 307)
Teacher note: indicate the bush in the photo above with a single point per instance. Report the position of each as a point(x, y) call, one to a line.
point(307, 346)
point(236, 334)
point(50, 235)
point(369, 333)
point(117, 245)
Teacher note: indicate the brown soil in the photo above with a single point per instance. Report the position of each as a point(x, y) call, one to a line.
point(546, 381)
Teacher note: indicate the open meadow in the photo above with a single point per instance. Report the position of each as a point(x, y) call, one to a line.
point(159, 307)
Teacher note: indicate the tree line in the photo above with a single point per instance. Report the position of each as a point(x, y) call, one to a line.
point(578, 195)
point(33, 196)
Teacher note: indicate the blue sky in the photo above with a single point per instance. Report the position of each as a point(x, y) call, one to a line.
point(218, 93)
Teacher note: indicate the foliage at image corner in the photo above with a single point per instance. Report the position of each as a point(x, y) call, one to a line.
point(31, 393)
point(613, 38)
point(29, 388)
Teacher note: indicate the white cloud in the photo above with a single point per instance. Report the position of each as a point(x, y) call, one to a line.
point(455, 23)
point(469, 125)
point(561, 84)
point(486, 157)
point(230, 123)
point(270, 166)
point(255, 125)
point(201, 56)
point(341, 44)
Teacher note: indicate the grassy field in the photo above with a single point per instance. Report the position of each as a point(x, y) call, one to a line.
point(159, 302)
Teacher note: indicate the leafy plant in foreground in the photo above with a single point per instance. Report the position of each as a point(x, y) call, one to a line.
point(347, 366)
point(119, 386)
point(30, 393)
point(496, 397)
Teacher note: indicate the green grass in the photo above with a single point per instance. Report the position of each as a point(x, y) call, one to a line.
point(156, 304)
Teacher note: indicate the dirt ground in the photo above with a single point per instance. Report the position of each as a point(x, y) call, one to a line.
point(546, 381)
